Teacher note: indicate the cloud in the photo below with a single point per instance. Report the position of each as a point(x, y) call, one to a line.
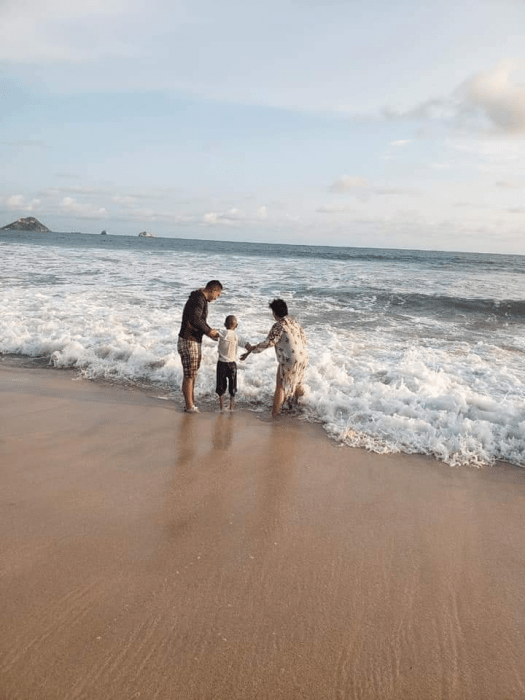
point(24, 143)
point(500, 150)
point(85, 211)
point(492, 93)
point(507, 183)
point(244, 54)
point(468, 205)
point(437, 109)
point(144, 214)
point(347, 184)
point(400, 142)
point(18, 202)
point(124, 200)
point(330, 209)
point(68, 176)
point(486, 99)
point(363, 189)
point(61, 31)
point(232, 216)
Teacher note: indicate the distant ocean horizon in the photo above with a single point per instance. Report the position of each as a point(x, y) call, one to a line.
point(410, 350)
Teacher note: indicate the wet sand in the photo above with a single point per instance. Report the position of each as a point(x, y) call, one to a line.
point(145, 553)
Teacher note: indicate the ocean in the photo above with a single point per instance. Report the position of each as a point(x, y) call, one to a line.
point(411, 351)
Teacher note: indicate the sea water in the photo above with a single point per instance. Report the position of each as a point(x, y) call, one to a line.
point(420, 352)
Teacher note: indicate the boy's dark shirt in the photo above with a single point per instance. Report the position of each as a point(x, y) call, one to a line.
point(194, 316)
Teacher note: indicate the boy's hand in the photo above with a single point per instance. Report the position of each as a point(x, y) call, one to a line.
point(244, 355)
point(214, 335)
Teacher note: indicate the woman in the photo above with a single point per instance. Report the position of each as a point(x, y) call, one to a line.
point(289, 340)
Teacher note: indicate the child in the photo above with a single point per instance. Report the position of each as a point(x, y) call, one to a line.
point(226, 364)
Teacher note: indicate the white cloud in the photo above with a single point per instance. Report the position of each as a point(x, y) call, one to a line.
point(468, 205)
point(497, 154)
point(59, 30)
point(492, 93)
point(18, 202)
point(508, 184)
point(487, 99)
point(257, 53)
point(400, 142)
point(144, 214)
point(24, 143)
point(330, 209)
point(86, 211)
point(347, 184)
point(124, 200)
point(363, 189)
point(232, 216)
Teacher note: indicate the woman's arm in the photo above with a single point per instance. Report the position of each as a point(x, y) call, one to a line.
point(272, 338)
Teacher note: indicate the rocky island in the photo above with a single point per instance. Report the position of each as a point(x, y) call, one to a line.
point(146, 234)
point(27, 224)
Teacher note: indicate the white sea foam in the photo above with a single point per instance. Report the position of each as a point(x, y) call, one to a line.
point(375, 379)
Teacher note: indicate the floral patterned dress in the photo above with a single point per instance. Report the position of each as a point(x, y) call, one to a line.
point(289, 340)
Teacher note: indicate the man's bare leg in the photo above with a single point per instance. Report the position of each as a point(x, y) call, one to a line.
point(221, 403)
point(188, 391)
point(232, 403)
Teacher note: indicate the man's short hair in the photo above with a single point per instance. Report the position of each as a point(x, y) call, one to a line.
point(230, 322)
point(213, 285)
point(279, 307)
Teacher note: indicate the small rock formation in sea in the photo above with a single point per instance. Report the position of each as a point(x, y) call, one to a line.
point(146, 234)
point(27, 224)
point(104, 233)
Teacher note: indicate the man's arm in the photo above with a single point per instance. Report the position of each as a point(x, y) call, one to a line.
point(198, 320)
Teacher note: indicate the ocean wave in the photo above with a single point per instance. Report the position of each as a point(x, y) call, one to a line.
point(376, 378)
point(460, 404)
point(438, 304)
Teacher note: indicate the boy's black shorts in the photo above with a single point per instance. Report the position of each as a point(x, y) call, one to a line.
point(226, 374)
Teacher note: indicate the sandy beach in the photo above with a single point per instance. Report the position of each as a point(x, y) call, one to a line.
point(145, 553)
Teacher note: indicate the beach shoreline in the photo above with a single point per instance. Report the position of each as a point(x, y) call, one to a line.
point(150, 553)
point(210, 405)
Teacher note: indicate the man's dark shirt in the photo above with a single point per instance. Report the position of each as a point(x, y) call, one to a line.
point(194, 316)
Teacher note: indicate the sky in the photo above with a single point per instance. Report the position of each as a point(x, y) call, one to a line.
point(331, 122)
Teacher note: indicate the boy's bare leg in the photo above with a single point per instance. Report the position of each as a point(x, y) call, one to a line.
point(232, 403)
point(221, 403)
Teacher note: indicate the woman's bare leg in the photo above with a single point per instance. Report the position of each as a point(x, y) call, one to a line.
point(299, 391)
point(278, 397)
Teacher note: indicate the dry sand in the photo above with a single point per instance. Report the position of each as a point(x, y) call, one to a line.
point(148, 553)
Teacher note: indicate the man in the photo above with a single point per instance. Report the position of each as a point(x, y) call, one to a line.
point(193, 327)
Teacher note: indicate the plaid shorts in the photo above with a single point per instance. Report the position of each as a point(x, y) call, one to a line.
point(190, 355)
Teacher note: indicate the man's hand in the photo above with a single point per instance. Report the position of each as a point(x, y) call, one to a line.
point(245, 355)
point(214, 334)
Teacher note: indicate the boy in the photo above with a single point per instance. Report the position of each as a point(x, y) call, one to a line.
point(226, 364)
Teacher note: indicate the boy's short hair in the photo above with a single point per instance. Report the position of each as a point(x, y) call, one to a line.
point(230, 322)
point(213, 285)
point(279, 307)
